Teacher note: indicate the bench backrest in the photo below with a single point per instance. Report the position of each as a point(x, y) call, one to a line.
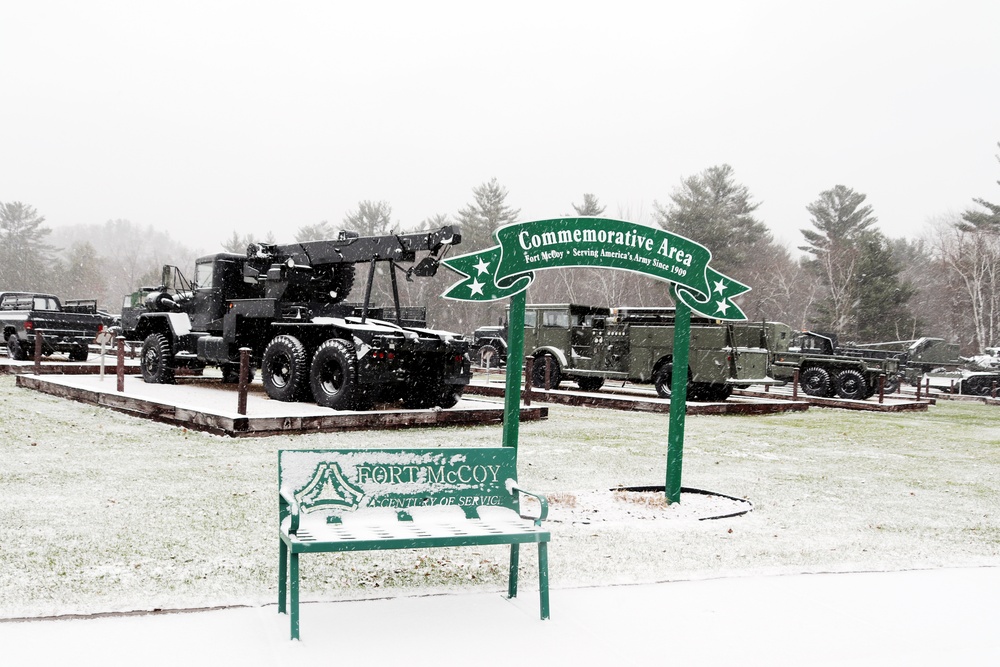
point(335, 482)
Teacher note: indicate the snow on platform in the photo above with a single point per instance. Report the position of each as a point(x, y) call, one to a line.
point(208, 405)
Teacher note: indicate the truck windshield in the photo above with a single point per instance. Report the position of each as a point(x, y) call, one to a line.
point(203, 275)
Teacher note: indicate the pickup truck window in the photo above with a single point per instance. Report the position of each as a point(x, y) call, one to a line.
point(28, 302)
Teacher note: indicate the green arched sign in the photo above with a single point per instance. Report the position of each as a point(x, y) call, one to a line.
point(507, 269)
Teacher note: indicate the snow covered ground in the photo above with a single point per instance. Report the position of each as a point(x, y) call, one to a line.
point(110, 513)
point(917, 618)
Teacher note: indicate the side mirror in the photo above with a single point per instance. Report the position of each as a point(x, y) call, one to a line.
point(251, 275)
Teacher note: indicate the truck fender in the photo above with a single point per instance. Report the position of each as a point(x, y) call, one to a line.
point(555, 352)
point(171, 324)
point(661, 362)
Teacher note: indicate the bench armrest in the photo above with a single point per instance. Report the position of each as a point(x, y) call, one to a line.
point(514, 489)
point(285, 498)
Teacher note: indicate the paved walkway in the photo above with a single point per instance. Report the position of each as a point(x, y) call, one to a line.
point(926, 617)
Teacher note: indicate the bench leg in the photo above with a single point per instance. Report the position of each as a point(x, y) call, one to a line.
point(543, 578)
point(282, 575)
point(294, 590)
point(512, 574)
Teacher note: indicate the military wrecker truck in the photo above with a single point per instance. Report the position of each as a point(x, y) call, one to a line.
point(285, 303)
point(68, 328)
point(827, 369)
point(589, 345)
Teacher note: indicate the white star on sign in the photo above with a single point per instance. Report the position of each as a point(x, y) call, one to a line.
point(720, 287)
point(721, 307)
point(482, 267)
point(476, 287)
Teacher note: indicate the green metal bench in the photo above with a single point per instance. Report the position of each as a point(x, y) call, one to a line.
point(333, 500)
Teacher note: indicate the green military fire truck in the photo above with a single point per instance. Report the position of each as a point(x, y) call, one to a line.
point(590, 345)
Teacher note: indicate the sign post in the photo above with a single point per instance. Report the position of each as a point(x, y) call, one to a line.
point(515, 358)
point(507, 269)
point(103, 338)
point(678, 402)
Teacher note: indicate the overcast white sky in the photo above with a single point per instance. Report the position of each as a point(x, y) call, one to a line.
point(206, 117)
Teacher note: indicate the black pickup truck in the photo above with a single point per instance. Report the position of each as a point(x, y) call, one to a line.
point(70, 328)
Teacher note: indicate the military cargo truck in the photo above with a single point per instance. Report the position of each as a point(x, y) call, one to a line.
point(590, 345)
point(826, 369)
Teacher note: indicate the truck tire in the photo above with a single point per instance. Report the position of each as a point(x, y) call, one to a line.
point(590, 383)
point(79, 353)
point(815, 381)
point(428, 393)
point(334, 375)
point(15, 350)
point(538, 372)
point(284, 369)
point(488, 357)
point(664, 381)
point(851, 384)
point(891, 384)
point(450, 396)
point(156, 360)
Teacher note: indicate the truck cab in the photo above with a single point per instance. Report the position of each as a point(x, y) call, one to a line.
point(568, 333)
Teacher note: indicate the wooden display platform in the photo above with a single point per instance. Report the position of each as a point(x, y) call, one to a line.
point(58, 365)
point(891, 402)
point(642, 400)
point(208, 405)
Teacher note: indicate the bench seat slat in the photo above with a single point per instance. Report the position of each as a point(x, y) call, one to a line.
point(380, 544)
point(412, 534)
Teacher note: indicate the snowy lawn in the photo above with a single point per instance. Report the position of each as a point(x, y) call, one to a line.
point(105, 512)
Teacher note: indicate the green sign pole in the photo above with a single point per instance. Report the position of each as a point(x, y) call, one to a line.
point(515, 359)
point(678, 401)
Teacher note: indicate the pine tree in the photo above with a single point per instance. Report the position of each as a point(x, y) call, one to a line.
point(590, 207)
point(985, 221)
point(483, 216)
point(25, 258)
point(715, 211)
point(370, 219)
point(881, 310)
point(865, 296)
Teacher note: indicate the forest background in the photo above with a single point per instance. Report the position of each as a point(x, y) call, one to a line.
point(846, 277)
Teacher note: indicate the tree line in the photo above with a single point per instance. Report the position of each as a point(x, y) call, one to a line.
point(851, 279)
